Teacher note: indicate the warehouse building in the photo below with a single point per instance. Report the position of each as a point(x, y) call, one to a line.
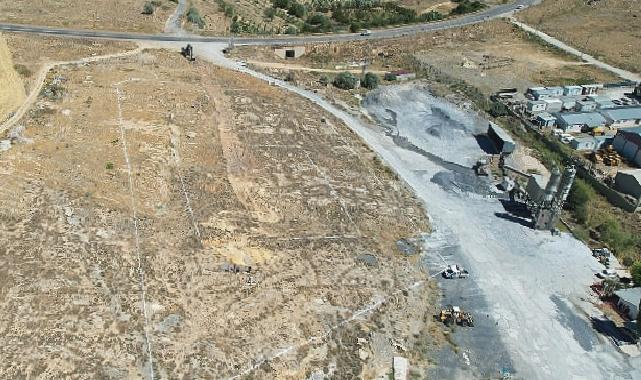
point(628, 143)
point(623, 117)
point(575, 122)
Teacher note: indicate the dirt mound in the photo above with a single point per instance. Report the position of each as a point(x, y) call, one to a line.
point(12, 90)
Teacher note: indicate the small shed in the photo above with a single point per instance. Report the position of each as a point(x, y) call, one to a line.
point(572, 90)
point(585, 106)
point(553, 105)
point(590, 89)
point(501, 139)
point(289, 52)
point(569, 102)
point(590, 142)
point(534, 106)
point(629, 300)
point(545, 119)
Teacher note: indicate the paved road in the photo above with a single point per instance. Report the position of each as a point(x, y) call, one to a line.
point(490, 13)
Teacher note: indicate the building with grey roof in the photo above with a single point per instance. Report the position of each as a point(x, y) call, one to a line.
point(574, 122)
point(590, 142)
point(629, 300)
point(623, 117)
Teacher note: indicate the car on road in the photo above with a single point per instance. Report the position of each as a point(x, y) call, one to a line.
point(365, 33)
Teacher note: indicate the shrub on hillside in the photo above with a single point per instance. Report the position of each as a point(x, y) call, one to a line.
point(370, 81)
point(345, 81)
point(148, 8)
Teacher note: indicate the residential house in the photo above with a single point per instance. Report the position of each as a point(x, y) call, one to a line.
point(575, 122)
point(623, 117)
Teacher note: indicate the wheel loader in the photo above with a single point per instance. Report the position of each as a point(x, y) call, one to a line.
point(454, 315)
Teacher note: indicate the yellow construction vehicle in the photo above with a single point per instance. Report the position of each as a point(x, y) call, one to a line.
point(453, 314)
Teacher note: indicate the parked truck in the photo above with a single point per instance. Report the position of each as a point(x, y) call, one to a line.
point(455, 271)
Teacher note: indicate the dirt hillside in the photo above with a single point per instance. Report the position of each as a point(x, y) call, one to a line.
point(12, 90)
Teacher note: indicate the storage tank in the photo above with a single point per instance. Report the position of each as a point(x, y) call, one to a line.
point(566, 183)
point(553, 184)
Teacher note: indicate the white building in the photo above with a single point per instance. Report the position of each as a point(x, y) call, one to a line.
point(623, 117)
point(534, 106)
point(575, 122)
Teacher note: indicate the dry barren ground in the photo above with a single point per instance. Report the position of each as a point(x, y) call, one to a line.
point(490, 56)
point(31, 54)
point(12, 91)
point(123, 15)
point(134, 181)
point(606, 29)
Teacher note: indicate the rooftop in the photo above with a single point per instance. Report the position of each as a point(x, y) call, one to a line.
point(635, 130)
point(636, 173)
point(631, 113)
point(591, 119)
point(630, 295)
point(545, 116)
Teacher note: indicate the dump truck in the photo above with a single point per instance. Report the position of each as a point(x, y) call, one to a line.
point(455, 271)
point(454, 315)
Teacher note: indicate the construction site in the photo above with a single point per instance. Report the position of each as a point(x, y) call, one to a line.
point(181, 207)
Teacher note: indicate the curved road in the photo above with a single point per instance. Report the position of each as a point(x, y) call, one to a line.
point(487, 14)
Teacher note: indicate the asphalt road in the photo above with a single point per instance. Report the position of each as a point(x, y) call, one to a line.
point(487, 14)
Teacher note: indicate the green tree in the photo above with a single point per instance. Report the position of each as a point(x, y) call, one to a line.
point(297, 9)
point(345, 81)
point(370, 81)
point(578, 200)
point(324, 80)
point(635, 271)
point(148, 8)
